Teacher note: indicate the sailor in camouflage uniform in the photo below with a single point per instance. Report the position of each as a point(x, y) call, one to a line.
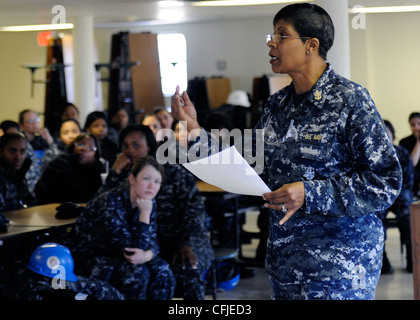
point(183, 237)
point(14, 164)
point(109, 227)
point(330, 165)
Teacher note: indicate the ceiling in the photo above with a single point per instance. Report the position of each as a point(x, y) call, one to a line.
point(120, 13)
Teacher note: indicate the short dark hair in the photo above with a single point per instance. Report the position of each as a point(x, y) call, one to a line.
point(389, 125)
point(92, 117)
point(146, 131)
point(10, 136)
point(413, 115)
point(139, 164)
point(72, 120)
point(309, 20)
point(7, 124)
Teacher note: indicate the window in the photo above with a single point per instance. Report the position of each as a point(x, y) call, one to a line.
point(173, 62)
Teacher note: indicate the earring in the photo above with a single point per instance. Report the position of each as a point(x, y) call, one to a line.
point(308, 52)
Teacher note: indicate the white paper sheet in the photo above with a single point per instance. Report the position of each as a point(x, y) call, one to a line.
point(229, 171)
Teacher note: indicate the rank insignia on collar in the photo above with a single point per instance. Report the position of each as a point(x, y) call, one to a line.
point(317, 95)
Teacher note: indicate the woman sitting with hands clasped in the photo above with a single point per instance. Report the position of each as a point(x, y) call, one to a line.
point(115, 237)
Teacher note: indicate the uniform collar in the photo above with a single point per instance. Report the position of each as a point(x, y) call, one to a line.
point(319, 90)
point(318, 93)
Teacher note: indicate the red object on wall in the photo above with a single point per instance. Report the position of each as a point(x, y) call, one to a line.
point(43, 38)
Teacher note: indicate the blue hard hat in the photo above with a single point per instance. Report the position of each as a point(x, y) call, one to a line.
point(53, 260)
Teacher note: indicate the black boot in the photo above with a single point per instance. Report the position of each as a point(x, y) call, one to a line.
point(386, 265)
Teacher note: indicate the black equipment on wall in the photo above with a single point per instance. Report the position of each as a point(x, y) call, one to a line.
point(55, 92)
point(120, 84)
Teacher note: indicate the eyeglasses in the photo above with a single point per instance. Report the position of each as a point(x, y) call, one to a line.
point(83, 146)
point(31, 121)
point(276, 38)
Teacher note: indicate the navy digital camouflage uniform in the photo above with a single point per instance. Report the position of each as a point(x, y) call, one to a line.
point(181, 218)
point(181, 221)
point(106, 226)
point(33, 286)
point(333, 141)
point(56, 148)
point(14, 190)
point(34, 171)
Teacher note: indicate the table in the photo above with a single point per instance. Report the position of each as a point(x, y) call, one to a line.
point(209, 190)
point(205, 187)
point(37, 216)
point(14, 231)
point(26, 228)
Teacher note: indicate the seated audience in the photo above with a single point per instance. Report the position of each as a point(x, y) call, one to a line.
point(39, 138)
point(181, 215)
point(32, 174)
point(97, 125)
point(164, 117)
point(118, 119)
point(74, 176)
point(135, 141)
point(70, 111)
point(14, 191)
point(153, 123)
point(69, 130)
point(115, 237)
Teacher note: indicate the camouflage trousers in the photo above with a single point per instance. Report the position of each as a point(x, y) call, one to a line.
point(36, 287)
point(153, 280)
point(333, 290)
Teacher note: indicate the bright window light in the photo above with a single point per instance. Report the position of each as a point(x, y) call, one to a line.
point(173, 62)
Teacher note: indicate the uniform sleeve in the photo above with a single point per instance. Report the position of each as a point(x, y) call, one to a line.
point(192, 204)
point(144, 236)
point(375, 179)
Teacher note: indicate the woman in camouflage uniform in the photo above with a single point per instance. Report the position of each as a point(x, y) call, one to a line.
point(182, 233)
point(14, 191)
point(115, 237)
point(329, 162)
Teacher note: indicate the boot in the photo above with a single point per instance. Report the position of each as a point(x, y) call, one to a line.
point(386, 265)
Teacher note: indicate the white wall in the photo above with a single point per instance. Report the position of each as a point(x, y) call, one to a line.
point(384, 58)
point(15, 81)
point(394, 66)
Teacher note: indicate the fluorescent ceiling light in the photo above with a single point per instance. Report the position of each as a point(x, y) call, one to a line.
point(38, 27)
point(240, 2)
point(361, 9)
